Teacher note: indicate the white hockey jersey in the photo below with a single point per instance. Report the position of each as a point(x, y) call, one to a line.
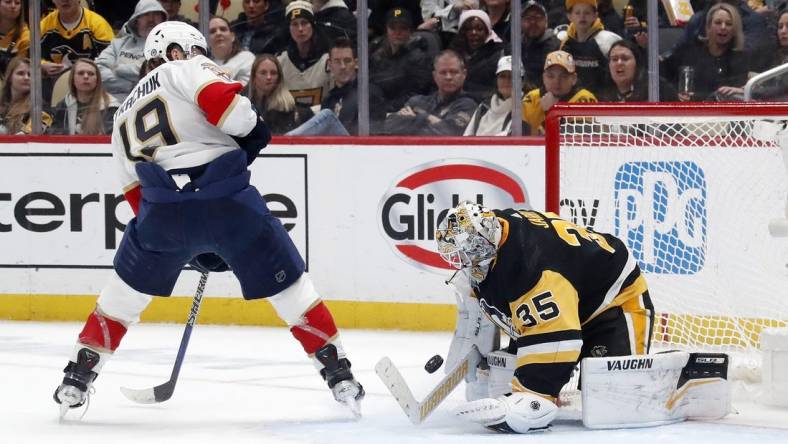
point(180, 115)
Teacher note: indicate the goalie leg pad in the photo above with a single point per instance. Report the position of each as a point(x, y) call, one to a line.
point(520, 412)
point(651, 390)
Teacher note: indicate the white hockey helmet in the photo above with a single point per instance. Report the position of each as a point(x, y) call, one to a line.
point(468, 236)
point(173, 32)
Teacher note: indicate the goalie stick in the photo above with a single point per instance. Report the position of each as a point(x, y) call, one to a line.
point(163, 392)
point(417, 411)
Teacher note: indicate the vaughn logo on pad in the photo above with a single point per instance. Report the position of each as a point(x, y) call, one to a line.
point(660, 212)
point(419, 198)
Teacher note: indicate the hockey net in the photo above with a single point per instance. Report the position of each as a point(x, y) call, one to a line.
point(692, 190)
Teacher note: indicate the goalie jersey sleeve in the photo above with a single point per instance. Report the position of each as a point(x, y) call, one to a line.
point(549, 278)
point(181, 115)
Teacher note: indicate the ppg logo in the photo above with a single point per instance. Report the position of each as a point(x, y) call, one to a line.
point(661, 215)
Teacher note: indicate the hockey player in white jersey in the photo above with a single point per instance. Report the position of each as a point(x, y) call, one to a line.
point(186, 119)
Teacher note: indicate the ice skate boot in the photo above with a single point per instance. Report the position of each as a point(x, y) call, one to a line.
point(77, 383)
point(336, 372)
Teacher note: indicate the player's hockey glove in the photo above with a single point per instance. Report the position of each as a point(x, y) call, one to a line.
point(209, 262)
point(255, 141)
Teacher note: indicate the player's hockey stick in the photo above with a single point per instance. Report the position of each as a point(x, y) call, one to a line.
point(163, 392)
point(417, 411)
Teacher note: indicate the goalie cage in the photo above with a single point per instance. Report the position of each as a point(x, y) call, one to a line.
point(692, 190)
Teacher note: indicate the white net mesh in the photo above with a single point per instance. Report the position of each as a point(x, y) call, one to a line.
point(692, 197)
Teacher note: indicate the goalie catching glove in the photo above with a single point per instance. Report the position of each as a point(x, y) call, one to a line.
point(517, 412)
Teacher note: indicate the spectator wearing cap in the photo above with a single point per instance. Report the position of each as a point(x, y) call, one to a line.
point(379, 12)
point(560, 85)
point(446, 112)
point(119, 63)
point(399, 65)
point(260, 28)
point(493, 117)
point(588, 42)
point(173, 8)
point(334, 19)
point(226, 50)
point(538, 41)
point(481, 47)
point(305, 61)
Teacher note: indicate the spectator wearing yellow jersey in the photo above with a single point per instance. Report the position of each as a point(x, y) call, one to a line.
point(14, 33)
point(71, 32)
point(560, 85)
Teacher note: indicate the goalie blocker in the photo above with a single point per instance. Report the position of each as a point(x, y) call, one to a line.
point(652, 390)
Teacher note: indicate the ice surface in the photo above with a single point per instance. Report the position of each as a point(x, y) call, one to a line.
point(255, 385)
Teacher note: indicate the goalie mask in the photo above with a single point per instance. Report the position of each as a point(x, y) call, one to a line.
point(468, 237)
point(165, 34)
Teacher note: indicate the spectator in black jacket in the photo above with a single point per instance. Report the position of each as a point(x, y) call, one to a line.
point(261, 28)
point(399, 65)
point(379, 10)
point(481, 47)
point(719, 62)
point(538, 41)
point(334, 19)
point(445, 112)
point(628, 80)
point(758, 43)
point(342, 99)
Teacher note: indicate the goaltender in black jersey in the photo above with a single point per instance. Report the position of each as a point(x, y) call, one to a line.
point(560, 291)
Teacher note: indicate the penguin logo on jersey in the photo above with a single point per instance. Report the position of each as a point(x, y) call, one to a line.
point(499, 318)
point(661, 214)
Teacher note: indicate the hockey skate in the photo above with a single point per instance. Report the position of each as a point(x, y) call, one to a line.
point(77, 385)
point(336, 372)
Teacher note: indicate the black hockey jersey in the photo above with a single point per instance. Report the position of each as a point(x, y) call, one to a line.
point(550, 277)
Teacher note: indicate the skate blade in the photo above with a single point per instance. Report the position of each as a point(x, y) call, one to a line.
point(63, 410)
point(354, 406)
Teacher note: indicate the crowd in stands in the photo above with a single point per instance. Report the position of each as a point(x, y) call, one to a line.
point(436, 67)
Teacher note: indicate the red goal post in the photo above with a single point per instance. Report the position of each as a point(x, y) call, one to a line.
point(691, 188)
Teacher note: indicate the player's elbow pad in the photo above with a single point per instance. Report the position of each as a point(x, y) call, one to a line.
point(255, 141)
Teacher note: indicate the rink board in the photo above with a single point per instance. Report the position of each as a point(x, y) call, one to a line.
point(362, 212)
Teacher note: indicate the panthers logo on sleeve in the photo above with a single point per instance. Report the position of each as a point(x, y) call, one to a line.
point(216, 70)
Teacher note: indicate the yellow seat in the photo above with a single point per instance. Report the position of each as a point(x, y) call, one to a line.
point(61, 88)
